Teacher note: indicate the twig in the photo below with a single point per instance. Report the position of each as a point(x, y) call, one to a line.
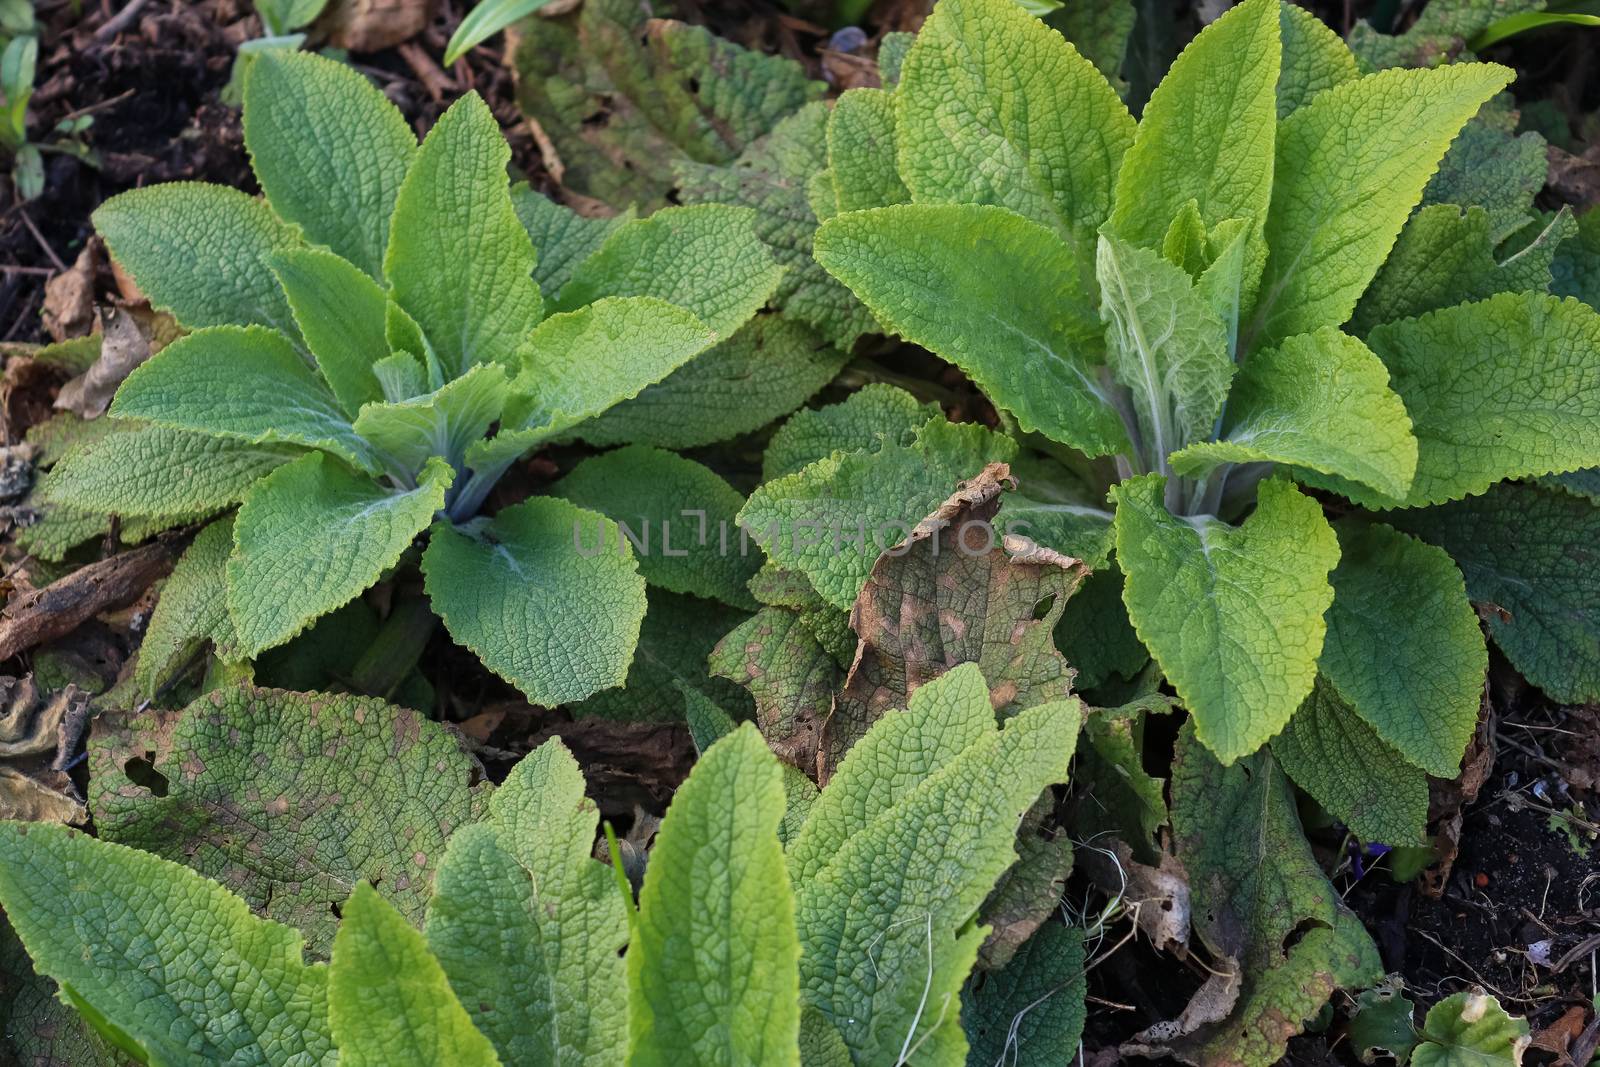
point(16, 268)
point(1582, 948)
point(99, 105)
point(39, 237)
point(120, 21)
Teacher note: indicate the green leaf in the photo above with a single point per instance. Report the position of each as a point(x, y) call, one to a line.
point(311, 536)
point(444, 423)
point(202, 252)
point(1575, 270)
point(679, 515)
point(994, 108)
point(291, 799)
point(707, 259)
point(1101, 32)
point(1314, 59)
point(535, 569)
point(36, 1027)
point(791, 676)
point(561, 237)
point(165, 964)
point(1030, 1013)
point(887, 977)
point(1351, 165)
point(193, 609)
point(1382, 1021)
point(160, 472)
point(1232, 614)
point(763, 372)
point(1403, 648)
point(1095, 635)
point(248, 383)
point(861, 151)
point(1470, 1029)
point(858, 423)
point(528, 927)
point(675, 641)
point(1207, 132)
point(1445, 256)
point(832, 519)
point(773, 176)
point(946, 276)
point(485, 20)
point(343, 315)
point(1439, 33)
point(1336, 757)
point(1165, 342)
point(1492, 166)
point(458, 260)
point(329, 150)
point(1320, 400)
point(1496, 390)
point(388, 999)
point(1528, 554)
point(712, 969)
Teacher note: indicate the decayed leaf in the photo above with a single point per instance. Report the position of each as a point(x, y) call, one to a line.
point(790, 675)
point(28, 799)
point(955, 592)
point(373, 25)
point(123, 347)
point(1028, 893)
point(69, 297)
point(38, 734)
point(289, 799)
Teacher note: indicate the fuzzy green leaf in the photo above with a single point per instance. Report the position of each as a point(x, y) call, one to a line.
point(444, 423)
point(193, 609)
point(329, 150)
point(994, 108)
point(1470, 1029)
point(1351, 165)
point(1031, 1012)
point(946, 276)
point(1207, 132)
point(1232, 614)
point(202, 252)
point(312, 536)
point(561, 237)
point(536, 569)
point(160, 472)
point(861, 151)
point(1529, 554)
point(1320, 400)
point(165, 964)
point(858, 423)
point(528, 927)
point(247, 383)
point(712, 967)
point(388, 999)
point(291, 799)
point(343, 315)
point(1403, 648)
point(675, 641)
point(458, 260)
point(832, 519)
point(1314, 58)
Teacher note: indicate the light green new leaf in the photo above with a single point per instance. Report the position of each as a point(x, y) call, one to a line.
point(681, 512)
point(763, 372)
point(165, 964)
point(193, 609)
point(1031, 1012)
point(1470, 1029)
point(291, 799)
point(247, 383)
point(160, 472)
point(202, 252)
point(529, 928)
point(388, 999)
point(1165, 342)
point(547, 594)
point(1504, 388)
point(858, 423)
point(994, 108)
point(833, 519)
point(712, 972)
point(947, 277)
point(1232, 614)
point(945, 717)
point(1531, 553)
point(1207, 132)
point(312, 536)
point(1350, 166)
point(1320, 400)
point(343, 315)
point(1336, 757)
point(861, 151)
point(561, 237)
point(458, 260)
point(706, 258)
point(1314, 58)
point(444, 423)
point(1403, 646)
point(329, 149)
point(888, 976)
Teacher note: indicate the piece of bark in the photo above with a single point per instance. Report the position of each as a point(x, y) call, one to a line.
point(62, 606)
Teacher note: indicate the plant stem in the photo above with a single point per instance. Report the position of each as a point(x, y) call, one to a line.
point(393, 654)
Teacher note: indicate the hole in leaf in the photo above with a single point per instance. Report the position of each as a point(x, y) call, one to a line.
point(142, 772)
point(1042, 608)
